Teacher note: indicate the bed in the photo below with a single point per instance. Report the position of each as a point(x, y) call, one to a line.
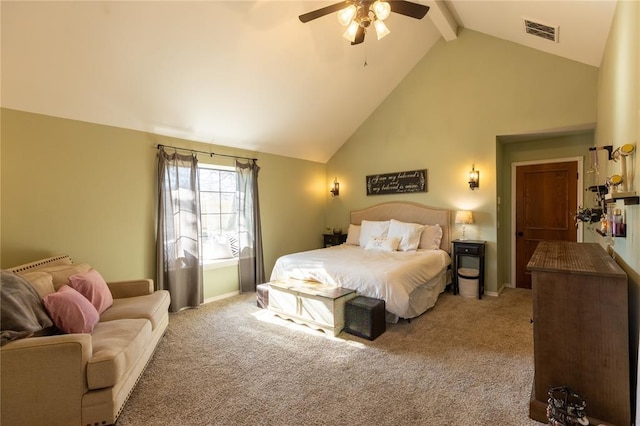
point(409, 281)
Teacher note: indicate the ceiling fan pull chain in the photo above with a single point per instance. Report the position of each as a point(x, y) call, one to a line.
point(365, 56)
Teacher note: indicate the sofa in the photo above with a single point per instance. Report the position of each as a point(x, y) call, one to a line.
point(80, 378)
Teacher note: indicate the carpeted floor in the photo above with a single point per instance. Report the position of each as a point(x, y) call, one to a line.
point(464, 362)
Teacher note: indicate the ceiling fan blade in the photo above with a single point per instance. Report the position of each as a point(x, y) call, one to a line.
point(322, 12)
point(407, 8)
point(359, 36)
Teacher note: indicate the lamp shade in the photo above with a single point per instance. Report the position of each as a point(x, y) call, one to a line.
point(381, 29)
point(346, 15)
point(464, 216)
point(350, 34)
point(382, 9)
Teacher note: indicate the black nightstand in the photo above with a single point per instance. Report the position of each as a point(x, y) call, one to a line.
point(472, 248)
point(334, 239)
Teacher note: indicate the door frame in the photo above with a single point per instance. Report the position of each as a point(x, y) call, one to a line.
point(580, 198)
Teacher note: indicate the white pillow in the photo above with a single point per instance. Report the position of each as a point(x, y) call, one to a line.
point(353, 236)
point(370, 228)
point(383, 244)
point(431, 237)
point(409, 234)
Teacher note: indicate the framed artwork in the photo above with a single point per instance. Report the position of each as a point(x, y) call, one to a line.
point(397, 183)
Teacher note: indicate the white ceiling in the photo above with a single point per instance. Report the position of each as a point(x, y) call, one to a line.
point(246, 74)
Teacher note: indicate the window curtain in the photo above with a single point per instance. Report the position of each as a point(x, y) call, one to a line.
point(179, 230)
point(250, 262)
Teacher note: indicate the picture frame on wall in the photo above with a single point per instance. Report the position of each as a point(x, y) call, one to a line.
point(397, 183)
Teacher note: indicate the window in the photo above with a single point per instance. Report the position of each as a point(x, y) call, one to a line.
point(219, 213)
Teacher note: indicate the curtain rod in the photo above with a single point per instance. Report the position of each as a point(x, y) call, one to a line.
point(211, 154)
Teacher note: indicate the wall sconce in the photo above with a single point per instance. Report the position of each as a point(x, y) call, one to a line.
point(474, 178)
point(335, 188)
point(464, 217)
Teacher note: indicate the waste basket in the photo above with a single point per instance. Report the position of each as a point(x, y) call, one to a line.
point(468, 282)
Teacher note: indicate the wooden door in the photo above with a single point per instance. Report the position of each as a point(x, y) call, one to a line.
point(546, 199)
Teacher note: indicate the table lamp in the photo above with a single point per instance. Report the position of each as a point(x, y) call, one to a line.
point(464, 217)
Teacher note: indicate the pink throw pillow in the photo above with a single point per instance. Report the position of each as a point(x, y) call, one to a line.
point(70, 311)
point(92, 286)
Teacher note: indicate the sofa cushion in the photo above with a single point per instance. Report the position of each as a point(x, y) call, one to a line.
point(70, 311)
point(92, 286)
point(61, 273)
point(152, 306)
point(41, 281)
point(117, 347)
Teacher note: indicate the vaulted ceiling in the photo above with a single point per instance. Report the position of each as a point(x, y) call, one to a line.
point(247, 74)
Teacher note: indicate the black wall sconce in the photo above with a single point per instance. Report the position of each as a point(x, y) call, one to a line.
point(335, 189)
point(474, 178)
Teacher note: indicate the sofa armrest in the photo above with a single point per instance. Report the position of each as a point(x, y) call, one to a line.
point(132, 288)
point(36, 369)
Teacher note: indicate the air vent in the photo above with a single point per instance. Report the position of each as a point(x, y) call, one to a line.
point(545, 31)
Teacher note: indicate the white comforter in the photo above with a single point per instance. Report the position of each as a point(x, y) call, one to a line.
point(390, 276)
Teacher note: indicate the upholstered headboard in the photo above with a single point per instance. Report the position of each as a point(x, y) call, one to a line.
point(409, 212)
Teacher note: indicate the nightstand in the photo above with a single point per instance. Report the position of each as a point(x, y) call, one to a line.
point(471, 248)
point(334, 239)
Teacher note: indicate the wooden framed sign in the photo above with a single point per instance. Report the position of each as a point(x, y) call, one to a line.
point(397, 183)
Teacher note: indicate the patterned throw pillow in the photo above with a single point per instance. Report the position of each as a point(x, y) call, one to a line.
point(383, 243)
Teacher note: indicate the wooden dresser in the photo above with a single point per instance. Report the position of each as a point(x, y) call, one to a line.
point(581, 329)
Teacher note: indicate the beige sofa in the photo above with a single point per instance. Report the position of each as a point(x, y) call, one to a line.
point(82, 379)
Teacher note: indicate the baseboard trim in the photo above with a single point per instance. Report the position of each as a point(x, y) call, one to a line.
point(494, 293)
point(222, 296)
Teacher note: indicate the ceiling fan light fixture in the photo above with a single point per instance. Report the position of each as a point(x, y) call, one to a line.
point(381, 29)
point(350, 34)
point(346, 15)
point(382, 9)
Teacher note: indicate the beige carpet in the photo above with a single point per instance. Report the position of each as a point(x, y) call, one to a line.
point(464, 362)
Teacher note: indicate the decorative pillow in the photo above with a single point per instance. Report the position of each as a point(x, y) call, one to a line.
point(353, 236)
point(40, 281)
point(431, 237)
point(71, 312)
point(61, 273)
point(383, 244)
point(92, 286)
point(370, 228)
point(409, 234)
point(22, 313)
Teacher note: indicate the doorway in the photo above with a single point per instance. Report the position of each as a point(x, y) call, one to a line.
point(545, 196)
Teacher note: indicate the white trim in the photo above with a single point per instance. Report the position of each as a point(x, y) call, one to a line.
point(216, 167)
point(217, 264)
point(222, 296)
point(580, 184)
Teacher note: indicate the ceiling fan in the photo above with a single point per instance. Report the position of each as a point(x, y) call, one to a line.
point(359, 15)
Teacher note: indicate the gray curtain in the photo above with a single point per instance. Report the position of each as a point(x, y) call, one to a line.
point(251, 262)
point(179, 230)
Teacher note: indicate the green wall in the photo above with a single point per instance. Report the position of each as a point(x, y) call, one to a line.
point(446, 115)
point(619, 123)
point(89, 191)
point(570, 146)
